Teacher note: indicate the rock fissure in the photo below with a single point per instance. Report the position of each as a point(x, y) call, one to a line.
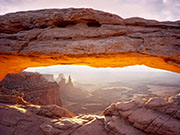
point(161, 125)
point(28, 42)
point(150, 123)
point(175, 111)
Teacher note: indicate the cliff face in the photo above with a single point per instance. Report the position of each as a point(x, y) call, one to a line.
point(86, 36)
point(49, 77)
point(33, 87)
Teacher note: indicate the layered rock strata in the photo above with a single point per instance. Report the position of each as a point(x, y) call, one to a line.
point(154, 116)
point(86, 36)
point(31, 87)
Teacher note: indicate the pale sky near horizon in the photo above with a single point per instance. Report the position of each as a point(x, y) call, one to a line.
point(88, 74)
point(162, 10)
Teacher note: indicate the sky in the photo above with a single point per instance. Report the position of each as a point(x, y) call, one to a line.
point(86, 74)
point(162, 10)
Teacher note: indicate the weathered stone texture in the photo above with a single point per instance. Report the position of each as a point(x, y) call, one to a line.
point(137, 117)
point(32, 87)
point(83, 36)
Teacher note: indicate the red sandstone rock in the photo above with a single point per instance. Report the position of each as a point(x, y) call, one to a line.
point(85, 31)
point(53, 120)
point(29, 120)
point(94, 127)
point(32, 86)
point(58, 36)
point(157, 116)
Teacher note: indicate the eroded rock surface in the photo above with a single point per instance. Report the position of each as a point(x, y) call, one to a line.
point(29, 120)
point(155, 116)
point(32, 87)
point(86, 36)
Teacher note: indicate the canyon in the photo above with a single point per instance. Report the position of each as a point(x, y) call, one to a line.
point(32, 87)
point(91, 112)
point(83, 37)
point(93, 98)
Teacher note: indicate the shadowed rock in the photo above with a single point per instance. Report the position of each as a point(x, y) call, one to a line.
point(137, 117)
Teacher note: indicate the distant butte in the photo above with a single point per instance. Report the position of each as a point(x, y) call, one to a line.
point(88, 37)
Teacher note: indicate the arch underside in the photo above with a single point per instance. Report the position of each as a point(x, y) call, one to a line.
point(86, 37)
point(15, 64)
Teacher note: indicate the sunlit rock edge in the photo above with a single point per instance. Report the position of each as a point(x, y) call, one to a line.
point(154, 116)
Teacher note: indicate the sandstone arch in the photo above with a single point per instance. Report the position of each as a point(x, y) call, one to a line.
point(88, 37)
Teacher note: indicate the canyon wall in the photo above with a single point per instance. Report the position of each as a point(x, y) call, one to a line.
point(32, 87)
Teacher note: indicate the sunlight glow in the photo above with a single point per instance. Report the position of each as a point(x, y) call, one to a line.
point(93, 75)
point(73, 68)
point(164, 1)
point(22, 110)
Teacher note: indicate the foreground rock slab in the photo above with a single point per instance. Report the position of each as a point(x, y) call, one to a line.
point(156, 116)
point(86, 36)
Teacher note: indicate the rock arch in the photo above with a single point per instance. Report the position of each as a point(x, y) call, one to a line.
point(85, 37)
